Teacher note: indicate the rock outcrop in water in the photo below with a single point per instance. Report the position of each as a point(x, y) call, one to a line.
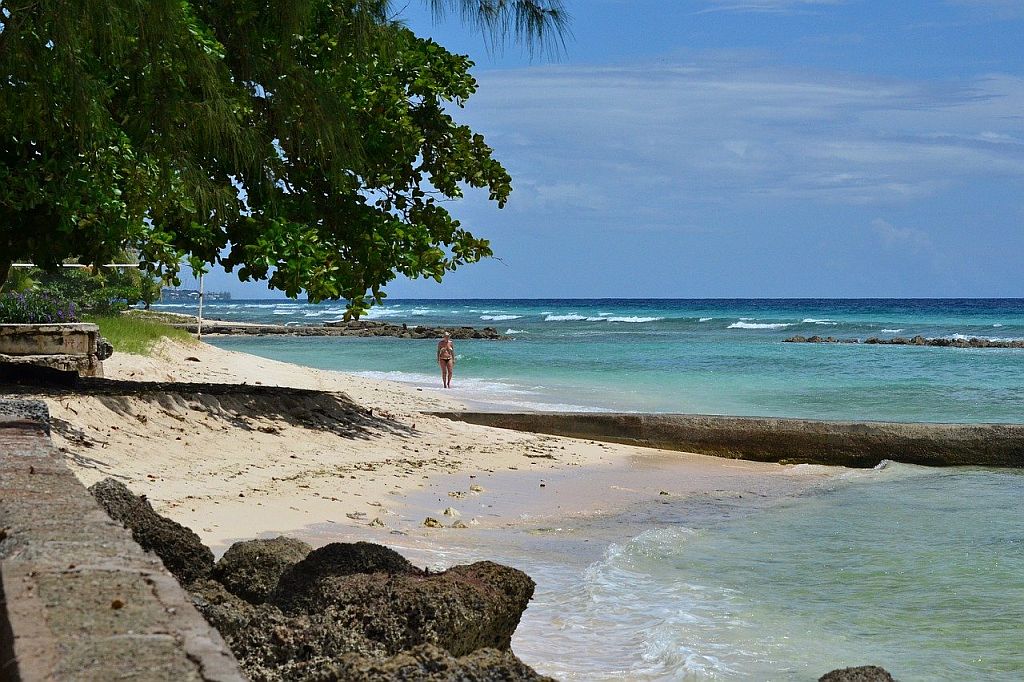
point(973, 342)
point(361, 328)
point(864, 673)
point(346, 611)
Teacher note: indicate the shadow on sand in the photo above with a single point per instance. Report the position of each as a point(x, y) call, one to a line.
point(243, 406)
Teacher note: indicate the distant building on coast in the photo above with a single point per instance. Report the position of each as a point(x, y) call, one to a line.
point(169, 295)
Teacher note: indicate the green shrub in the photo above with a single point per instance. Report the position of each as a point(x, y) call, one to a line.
point(129, 334)
point(36, 308)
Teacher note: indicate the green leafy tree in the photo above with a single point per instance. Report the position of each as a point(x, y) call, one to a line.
point(306, 142)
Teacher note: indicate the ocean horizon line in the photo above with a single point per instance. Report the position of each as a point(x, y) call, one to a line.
point(666, 298)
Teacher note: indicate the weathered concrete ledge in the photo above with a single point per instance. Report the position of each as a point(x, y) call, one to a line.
point(74, 348)
point(79, 599)
point(766, 439)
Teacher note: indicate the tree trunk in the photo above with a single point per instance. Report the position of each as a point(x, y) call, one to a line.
point(5, 272)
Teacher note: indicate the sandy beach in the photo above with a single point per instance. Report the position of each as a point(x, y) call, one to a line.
point(236, 446)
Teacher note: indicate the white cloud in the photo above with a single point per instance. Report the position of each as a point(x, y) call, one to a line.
point(902, 238)
point(765, 6)
point(663, 136)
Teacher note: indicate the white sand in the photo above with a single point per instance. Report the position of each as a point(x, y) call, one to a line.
point(242, 465)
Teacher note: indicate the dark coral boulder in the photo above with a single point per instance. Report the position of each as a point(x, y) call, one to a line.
point(460, 610)
point(251, 569)
point(864, 673)
point(178, 547)
point(428, 663)
point(300, 587)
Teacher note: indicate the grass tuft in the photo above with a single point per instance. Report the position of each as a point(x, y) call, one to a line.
point(129, 334)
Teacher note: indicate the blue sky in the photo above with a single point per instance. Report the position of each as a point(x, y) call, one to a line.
point(747, 148)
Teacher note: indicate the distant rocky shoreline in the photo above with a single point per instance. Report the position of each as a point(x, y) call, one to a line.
point(362, 328)
point(973, 342)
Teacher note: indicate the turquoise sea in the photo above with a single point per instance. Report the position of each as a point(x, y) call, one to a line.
point(696, 356)
point(920, 570)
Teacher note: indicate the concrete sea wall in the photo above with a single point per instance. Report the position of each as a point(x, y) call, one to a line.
point(79, 599)
point(764, 439)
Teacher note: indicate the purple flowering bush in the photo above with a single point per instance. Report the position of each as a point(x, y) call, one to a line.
point(36, 308)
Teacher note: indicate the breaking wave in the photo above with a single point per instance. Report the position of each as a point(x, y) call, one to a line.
point(760, 325)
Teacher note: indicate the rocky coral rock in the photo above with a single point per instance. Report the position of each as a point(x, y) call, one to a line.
point(178, 547)
point(864, 673)
point(251, 569)
point(300, 587)
point(326, 606)
point(461, 610)
point(430, 664)
point(271, 645)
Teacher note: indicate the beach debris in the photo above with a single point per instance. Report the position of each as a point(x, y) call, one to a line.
point(663, 492)
point(452, 511)
point(475, 488)
point(268, 429)
point(117, 604)
point(193, 358)
point(431, 522)
point(543, 485)
point(457, 494)
point(459, 524)
point(356, 515)
point(377, 523)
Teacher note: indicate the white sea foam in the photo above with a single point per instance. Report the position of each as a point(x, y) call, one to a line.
point(811, 320)
point(634, 319)
point(515, 331)
point(499, 318)
point(705, 319)
point(571, 317)
point(891, 331)
point(494, 394)
point(760, 325)
point(968, 337)
point(398, 311)
point(997, 324)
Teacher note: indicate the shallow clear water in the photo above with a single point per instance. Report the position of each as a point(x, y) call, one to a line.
point(918, 570)
point(698, 356)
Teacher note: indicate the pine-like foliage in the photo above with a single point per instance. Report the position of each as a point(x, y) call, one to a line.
point(302, 141)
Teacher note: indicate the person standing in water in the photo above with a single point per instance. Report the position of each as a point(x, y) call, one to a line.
point(446, 359)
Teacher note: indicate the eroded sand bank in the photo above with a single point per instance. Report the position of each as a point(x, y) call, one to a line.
point(237, 446)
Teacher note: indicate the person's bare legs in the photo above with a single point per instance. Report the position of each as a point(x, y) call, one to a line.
point(445, 373)
point(447, 370)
